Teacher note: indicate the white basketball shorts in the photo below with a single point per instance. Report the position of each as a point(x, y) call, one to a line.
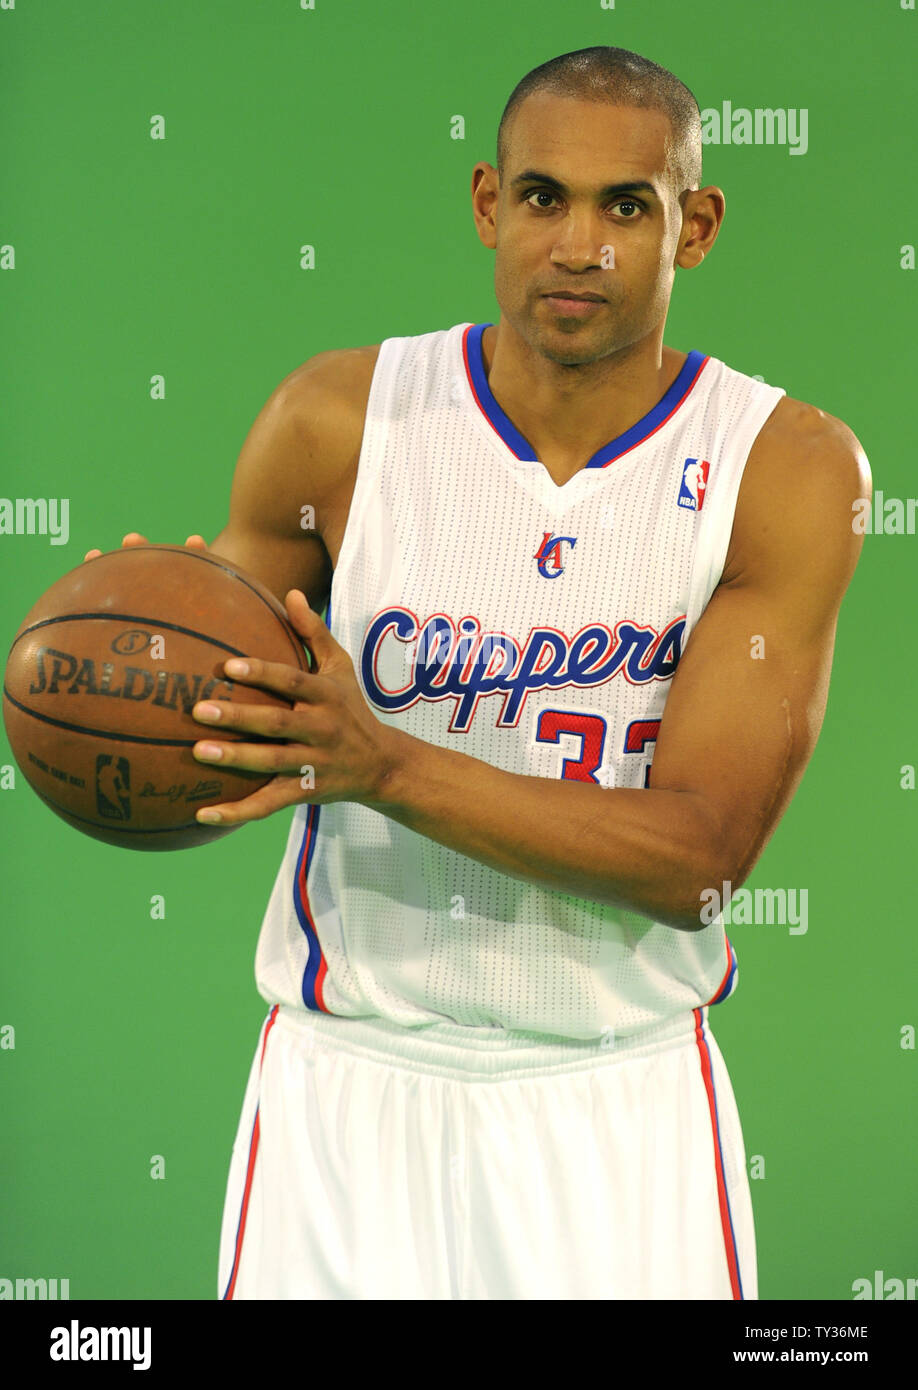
point(447, 1162)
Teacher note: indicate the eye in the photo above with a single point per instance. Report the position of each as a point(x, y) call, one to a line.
point(539, 193)
point(621, 202)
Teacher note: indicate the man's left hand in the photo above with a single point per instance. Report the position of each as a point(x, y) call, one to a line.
point(330, 730)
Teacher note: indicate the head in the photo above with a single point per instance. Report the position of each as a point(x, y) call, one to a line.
point(596, 191)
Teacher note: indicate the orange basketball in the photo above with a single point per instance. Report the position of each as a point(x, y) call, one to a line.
point(102, 677)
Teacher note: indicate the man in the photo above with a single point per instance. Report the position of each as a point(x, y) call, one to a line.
point(488, 1070)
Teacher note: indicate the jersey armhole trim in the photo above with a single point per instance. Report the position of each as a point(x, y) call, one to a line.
point(716, 523)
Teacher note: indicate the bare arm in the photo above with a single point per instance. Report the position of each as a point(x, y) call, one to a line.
point(290, 461)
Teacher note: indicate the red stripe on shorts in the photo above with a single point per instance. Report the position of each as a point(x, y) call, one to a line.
point(250, 1171)
point(722, 1199)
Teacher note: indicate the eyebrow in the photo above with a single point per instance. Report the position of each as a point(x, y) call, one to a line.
point(632, 186)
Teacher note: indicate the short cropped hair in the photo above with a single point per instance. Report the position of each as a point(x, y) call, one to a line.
point(620, 78)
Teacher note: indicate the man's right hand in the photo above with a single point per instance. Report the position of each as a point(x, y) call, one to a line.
point(135, 538)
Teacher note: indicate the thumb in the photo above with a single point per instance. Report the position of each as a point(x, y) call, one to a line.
point(306, 621)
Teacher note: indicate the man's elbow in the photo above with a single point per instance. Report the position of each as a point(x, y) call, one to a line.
point(702, 892)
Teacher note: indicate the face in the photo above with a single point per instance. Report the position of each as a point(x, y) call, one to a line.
point(555, 226)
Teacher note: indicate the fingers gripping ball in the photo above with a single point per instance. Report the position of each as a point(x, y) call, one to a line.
point(103, 675)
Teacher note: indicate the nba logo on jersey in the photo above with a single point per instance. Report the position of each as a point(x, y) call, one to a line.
point(694, 483)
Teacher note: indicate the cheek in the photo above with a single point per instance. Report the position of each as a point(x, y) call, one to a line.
point(644, 271)
point(506, 272)
point(518, 259)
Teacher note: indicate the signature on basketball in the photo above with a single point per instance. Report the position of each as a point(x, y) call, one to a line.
point(201, 791)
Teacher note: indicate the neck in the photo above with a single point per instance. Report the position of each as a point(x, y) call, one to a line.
point(569, 412)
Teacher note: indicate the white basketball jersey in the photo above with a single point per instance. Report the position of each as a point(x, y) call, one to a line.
point(534, 627)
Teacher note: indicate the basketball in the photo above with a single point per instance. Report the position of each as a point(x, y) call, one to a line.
point(102, 677)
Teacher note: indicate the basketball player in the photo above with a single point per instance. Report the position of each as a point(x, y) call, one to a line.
point(582, 596)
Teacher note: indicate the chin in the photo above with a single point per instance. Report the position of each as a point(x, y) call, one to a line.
point(571, 349)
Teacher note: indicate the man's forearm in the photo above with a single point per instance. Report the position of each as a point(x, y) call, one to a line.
point(647, 850)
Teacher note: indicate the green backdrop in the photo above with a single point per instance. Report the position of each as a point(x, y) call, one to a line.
point(125, 256)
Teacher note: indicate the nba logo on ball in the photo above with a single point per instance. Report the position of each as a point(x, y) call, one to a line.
point(694, 483)
point(113, 787)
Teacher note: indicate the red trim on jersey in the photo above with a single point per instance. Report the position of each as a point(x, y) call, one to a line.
point(250, 1171)
point(468, 377)
point(722, 1199)
point(678, 406)
point(727, 973)
point(615, 458)
point(307, 921)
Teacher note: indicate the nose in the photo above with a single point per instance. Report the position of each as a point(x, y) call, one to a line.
point(580, 240)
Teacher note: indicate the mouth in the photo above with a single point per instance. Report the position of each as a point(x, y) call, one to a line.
point(579, 305)
point(571, 294)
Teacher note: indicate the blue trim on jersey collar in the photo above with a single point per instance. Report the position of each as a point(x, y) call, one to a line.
point(609, 452)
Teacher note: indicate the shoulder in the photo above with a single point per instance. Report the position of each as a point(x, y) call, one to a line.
point(800, 487)
point(319, 411)
point(330, 390)
point(796, 426)
point(336, 369)
point(810, 451)
point(305, 441)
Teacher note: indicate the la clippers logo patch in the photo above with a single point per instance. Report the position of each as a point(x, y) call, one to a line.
point(549, 552)
point(694, 484)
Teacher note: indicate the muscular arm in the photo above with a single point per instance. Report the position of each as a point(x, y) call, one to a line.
point(738, 728)
point(303, 441)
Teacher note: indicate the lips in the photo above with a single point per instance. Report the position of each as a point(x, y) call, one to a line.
point(568, 294)
point(571, 307)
